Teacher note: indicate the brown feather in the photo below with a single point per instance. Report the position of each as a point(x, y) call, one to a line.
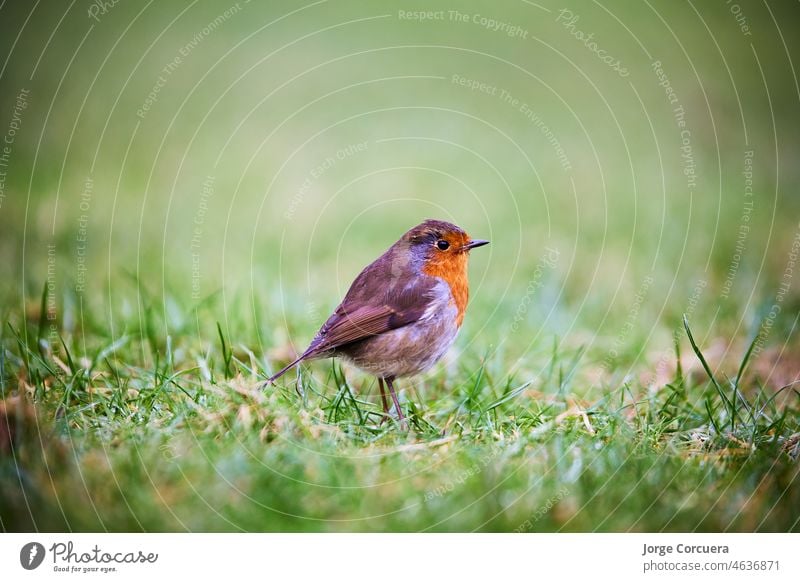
point(377, 307)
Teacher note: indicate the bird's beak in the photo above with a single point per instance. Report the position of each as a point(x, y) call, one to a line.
point(473, 244)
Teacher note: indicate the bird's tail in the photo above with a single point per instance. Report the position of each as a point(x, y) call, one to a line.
point(283, 371)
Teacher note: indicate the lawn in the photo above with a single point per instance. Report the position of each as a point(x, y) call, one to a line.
point(190, 189)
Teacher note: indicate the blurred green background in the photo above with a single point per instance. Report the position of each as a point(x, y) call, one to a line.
point(177, 164)
point(558, 150)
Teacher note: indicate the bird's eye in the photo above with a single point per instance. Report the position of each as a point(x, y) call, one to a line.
point(442, 245)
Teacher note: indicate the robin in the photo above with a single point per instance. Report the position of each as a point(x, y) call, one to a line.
point(403, 311)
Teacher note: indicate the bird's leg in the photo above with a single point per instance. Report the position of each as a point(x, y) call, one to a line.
point(390, 384)
point(383, 396)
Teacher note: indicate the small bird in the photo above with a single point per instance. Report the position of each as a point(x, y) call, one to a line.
point(403, 311)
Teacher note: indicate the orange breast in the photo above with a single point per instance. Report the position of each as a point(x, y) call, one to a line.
point(453, 269)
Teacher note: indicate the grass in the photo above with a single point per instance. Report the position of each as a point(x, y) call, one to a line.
point(152, 433)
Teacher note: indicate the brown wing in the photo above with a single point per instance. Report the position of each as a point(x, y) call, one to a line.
point(386, 295)
point(350, 324)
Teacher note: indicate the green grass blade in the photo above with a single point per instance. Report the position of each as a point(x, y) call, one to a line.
point(746, 359)
point(42, 318)
point(729, 406)
point(226, 352)
point(509, 396)
point(70, 363)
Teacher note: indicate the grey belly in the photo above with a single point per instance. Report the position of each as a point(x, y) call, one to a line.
point(407, 350)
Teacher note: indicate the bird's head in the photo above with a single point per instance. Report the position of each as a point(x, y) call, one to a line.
point(440, 242)
point(440, 249)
